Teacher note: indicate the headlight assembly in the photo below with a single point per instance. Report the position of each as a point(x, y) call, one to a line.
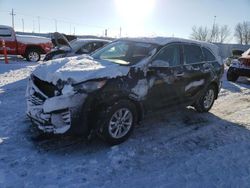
point(90, 86)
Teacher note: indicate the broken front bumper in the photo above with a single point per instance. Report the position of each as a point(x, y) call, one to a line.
point(56, 114)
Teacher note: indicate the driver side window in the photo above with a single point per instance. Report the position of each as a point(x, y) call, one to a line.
point(169, 55)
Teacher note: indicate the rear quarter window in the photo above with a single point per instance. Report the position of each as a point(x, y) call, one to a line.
point(5, 32)
point(208, 55)
point(192, 54)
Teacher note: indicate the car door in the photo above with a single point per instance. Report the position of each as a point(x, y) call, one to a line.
point(165, 76)
point(195, 69)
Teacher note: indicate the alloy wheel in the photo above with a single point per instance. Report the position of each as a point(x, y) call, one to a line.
point(120, 123)
point(33, 56)
point(209, 98)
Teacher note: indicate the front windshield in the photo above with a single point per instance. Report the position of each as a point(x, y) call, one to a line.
point(124, 52)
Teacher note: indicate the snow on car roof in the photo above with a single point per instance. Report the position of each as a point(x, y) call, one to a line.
point(5, 26)
point(92, 39)
point(166, 40)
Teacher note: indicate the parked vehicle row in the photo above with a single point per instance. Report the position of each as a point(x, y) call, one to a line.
point(109, 92)
point(31, 47)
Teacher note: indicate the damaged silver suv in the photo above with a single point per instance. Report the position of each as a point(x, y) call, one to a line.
point(109, 92)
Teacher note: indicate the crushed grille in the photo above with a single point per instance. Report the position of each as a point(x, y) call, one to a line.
point(47, 88)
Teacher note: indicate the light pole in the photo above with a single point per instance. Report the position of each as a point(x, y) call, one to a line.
point(38, 23)
point(33, 26)
point(23, 24)
point(12, 15)
point(120, 34)
point(56, 25)
point(213, 30)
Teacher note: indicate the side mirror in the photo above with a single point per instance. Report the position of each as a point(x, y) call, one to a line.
point(159, 63)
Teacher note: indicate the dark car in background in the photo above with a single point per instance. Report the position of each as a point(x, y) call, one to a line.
point(75, 47)
point(239, 67)
point(109, 92)
point(235, 55)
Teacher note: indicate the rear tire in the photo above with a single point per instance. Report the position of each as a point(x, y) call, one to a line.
point(33, 55)
point(206, 101)
point(231, 76)
point(118, 122)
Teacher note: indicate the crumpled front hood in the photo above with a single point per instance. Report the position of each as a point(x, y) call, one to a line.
point(78, 69)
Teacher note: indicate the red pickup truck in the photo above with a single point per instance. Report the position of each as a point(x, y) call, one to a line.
point(30, 47)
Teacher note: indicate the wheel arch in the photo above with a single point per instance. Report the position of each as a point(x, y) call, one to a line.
point(30, 47)
point(100, 105)
point(138, 105)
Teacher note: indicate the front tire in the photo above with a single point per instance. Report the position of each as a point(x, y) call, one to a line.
point(33, 55)
point(206, 101)
point(118, 122)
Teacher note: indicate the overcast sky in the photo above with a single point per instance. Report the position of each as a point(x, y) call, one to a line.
point(135, 17)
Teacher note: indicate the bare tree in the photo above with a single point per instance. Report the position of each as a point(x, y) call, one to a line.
point(242, 32)
point(200, 33)
point(216, 34)
point(224, 33)
point(246, 32)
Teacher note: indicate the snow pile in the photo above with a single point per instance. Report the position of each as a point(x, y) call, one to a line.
point(10, 73)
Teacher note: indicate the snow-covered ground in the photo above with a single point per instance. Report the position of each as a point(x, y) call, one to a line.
point(175, 149)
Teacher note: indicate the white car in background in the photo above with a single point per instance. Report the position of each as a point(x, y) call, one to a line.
point(74, 47)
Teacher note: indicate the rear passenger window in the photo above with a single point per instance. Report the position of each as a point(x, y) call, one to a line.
point(5, 32)
point(208, 55)
point(192, 54)
point(96, 45)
